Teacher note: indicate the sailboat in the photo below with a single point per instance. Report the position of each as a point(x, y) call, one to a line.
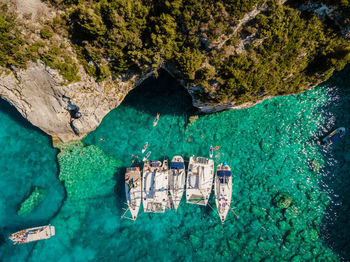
point(155, 187)
point(133, 190)
point(199, 180)
point(32, 234)
point(144, 147)
point(223, 190)
point(177, 179)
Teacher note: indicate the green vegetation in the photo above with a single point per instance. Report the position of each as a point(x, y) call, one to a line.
point(10, 40)
point(32, 202)
point(280, 51)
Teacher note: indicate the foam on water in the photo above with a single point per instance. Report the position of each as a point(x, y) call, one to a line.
point(272, 148)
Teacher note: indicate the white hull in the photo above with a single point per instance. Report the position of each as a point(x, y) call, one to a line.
point(32, 234)
point(133, 191)
point(177, 179)
point(155, 188)
point(199, 180)
point(223, 192)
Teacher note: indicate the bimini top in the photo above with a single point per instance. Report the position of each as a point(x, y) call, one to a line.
point(177, 165)
point(223, 173)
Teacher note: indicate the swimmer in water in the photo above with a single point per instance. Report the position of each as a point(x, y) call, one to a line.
point(101, 139)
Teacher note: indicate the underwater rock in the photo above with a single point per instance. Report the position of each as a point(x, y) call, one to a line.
point(258, 211)
point(192, 119)
point(291, 212)
point(283, 200)
point(32, 202)
point(315, 165)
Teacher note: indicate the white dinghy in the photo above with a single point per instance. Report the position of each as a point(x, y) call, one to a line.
point(199, 180)
point(32, 234)
point(155, 187)
point(177, 178)
point(223, 190)
point(133, 190)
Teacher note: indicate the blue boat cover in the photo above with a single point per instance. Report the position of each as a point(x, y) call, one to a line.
point(335, 138)
point(178, 165)
point(222, 173)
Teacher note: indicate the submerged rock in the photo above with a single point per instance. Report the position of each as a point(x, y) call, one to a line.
point(192, 119)
point(283, 200)
point(32, 202)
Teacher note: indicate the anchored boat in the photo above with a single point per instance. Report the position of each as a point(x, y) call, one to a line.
point(177, 178)
point(133, 190)
point(155, 187)
point(32, 234)
point(199, 180)
point(334, 137)
point(211, 152)
point(223, 190)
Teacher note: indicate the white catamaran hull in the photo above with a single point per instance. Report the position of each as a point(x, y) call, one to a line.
point(177, 186)
point(147, 189)
point(133, 192)
point(199, 180)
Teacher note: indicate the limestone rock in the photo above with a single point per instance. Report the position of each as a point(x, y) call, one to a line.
point(68, 111)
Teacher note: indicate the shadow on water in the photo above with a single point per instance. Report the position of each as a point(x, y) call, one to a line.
point(119, 188)
point(162, 95)
point(335, 229)
point(11, 111)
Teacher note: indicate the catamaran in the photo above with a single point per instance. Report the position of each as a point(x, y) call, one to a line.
point(177, 179)
point(155, 187)
point(334, 137)
point(199, 180)
point(223, 190)
point(133, 190)
point(32, 234)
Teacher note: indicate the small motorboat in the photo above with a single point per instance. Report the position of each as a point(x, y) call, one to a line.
point(155, 122)
point(223, 190)
point(144, 147)
point(146, 156)
point(199, 180)
point(177, 179)
point(334, 137)
point(32, 234)
point(211, 152)
point(133, 190)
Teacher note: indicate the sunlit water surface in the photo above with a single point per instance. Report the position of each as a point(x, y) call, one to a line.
point(272, 148)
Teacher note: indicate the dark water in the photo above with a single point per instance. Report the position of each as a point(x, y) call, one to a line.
point(273, 148)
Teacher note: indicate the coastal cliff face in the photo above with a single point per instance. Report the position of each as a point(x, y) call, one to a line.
point(66, 64)
point(69, 111)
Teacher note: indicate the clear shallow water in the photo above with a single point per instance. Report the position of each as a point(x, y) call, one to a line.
point(272, 148)
point(27, 160)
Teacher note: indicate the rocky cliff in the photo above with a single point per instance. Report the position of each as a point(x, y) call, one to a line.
point(68, 63)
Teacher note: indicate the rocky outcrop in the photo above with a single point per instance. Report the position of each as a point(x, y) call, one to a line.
point(70, 111)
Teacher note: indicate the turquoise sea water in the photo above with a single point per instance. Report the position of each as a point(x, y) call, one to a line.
point(272, 149)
